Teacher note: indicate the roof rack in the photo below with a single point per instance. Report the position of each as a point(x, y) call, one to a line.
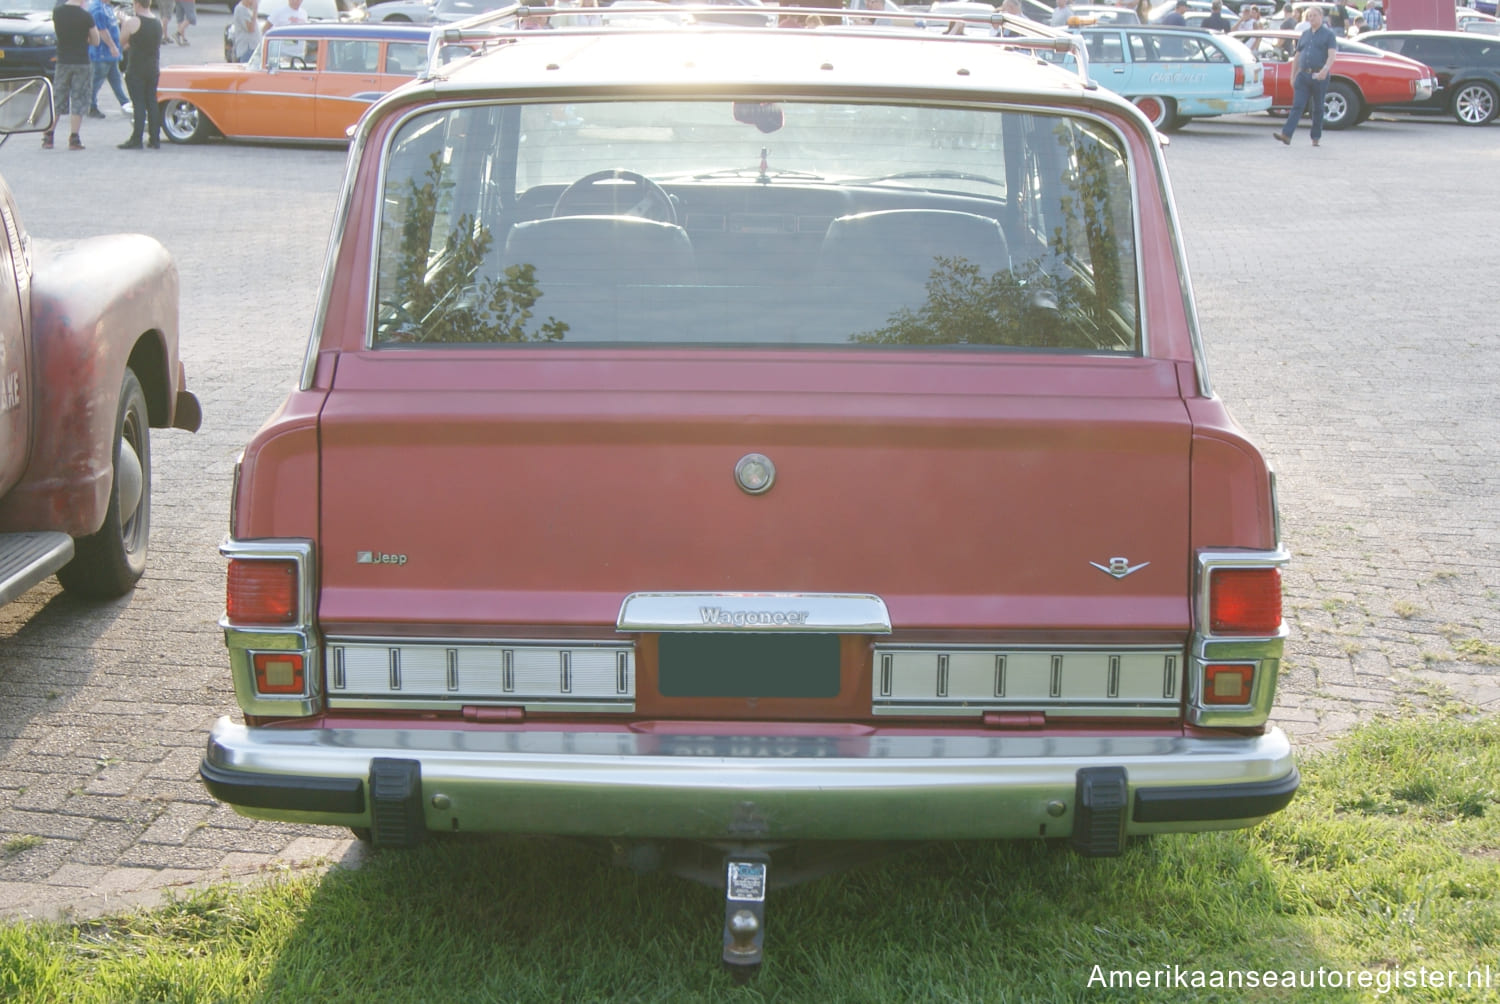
point(517, 22)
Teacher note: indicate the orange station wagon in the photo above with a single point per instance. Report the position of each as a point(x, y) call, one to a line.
point(309, 84)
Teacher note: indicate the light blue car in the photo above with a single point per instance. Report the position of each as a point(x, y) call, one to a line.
point(1176, 74)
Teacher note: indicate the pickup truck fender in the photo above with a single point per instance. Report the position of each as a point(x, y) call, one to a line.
point(97, 305)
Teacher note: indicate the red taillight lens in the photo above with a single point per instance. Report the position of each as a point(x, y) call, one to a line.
point(1227, 684)
point(278, 672)
point(1244, 601)
point(1239, 78)
point(262, 591)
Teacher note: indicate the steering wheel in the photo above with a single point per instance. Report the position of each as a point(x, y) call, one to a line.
point(297, 63)
point(616, 192)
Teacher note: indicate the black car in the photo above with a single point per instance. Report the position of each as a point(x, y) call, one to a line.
point(1467, 67)
point(28, 43)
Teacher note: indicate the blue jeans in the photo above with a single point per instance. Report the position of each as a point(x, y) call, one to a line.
point(108, 69)
point(1306, 88)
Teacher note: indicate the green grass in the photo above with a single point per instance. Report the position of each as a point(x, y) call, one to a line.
point(1389, 857)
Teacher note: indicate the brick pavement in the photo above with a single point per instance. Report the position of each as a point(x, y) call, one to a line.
point(1344, 294)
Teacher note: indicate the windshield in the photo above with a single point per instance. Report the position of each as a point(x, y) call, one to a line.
point(720, 222)
point(26, 6)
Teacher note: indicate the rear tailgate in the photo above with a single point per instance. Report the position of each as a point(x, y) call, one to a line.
point(529, 489)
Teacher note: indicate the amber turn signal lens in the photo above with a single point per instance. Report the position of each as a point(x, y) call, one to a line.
point(1227, 684)
point(261, 591)
point(1244, 601)
point(278, 672)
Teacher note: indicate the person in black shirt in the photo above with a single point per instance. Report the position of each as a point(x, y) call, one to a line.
point(142, 35)
point(73, 80)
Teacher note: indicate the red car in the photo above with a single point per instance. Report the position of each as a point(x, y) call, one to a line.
point(713, 442)
point(1363, 77)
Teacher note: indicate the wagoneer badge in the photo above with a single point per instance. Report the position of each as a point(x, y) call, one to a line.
point(755, 473)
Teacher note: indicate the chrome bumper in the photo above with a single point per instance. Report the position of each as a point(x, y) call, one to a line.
point(761, 787)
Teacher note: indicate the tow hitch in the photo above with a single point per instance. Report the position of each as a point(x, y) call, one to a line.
point(744, 873)
point(746, 878)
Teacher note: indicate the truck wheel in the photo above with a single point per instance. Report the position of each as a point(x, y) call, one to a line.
point(109, 563)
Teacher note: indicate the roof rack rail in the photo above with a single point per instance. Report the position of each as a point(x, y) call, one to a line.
point(516, 22)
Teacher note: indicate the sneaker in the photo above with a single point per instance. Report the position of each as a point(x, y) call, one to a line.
point(95, 113)
point(131, 144)
point(74, 143)
point(1282, 138)
point(127, 109)
point(46, 141)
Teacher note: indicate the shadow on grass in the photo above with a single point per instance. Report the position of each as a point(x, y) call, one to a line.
point(527, 919)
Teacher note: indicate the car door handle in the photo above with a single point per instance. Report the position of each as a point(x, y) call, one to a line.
point(1119, 69)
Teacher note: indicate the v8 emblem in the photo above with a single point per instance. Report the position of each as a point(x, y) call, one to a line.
point(1119, 567)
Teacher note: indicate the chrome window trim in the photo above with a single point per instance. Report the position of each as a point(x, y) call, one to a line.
point(243, 640)
point(1052, 711)
point(341, 216)
point(752, 89)
point(389, 704)
point(800, 613)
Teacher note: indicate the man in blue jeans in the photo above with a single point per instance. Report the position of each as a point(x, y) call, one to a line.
point(1315, 50)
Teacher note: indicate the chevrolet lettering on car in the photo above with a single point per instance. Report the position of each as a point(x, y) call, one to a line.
point(590, 292)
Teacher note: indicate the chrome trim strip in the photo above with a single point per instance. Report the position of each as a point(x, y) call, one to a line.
point(779, 613)
point(446, 673)
point(622, 783)
point(970, 679)
point(342, 211)
point(1053, 710)
point(386, 704)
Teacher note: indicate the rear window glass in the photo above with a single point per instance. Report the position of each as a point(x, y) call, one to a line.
point(752, 223)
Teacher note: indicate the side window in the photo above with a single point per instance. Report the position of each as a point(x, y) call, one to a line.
point(1140, 49)
point(291, 54)
point(1106, 48)
point(1432, 51)
point(406, 59)
point(348, 56)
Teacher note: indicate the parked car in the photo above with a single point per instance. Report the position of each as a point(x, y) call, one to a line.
point(1474, 21)
point(1467, 67)
point(1364, 77)
point(88, 366)
point(317, 11)
point(1176, 74)
point(308, 83)
point(28, 43)
point(713, 442)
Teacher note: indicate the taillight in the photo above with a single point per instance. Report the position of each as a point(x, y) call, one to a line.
point(278, 672)
point(1244, 601)
point(261, 591)
point(1239, 78)
point(1231, 684)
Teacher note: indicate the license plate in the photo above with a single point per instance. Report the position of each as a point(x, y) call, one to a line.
point(734, 664)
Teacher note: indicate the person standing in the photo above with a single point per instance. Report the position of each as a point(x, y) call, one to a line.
point(1177, 16)
point(244, 30)
point(105, 57)
point(1249, 18)
point(74, 77)
point(143, 37)
point(1061, 13)
point(187, 14)
point(1374, 15)
point(292, 13)
point(1216, 21)
point(1315, 51)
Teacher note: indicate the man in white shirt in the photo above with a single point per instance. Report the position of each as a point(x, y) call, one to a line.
point(1061, 14)
point(292, 13)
